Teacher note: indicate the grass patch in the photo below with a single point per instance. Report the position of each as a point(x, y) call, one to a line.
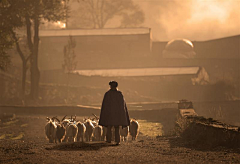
point(2, 136)
point(20, 136)
point(5, 127)
point(24, 125)
point(150, 128)
point(9, 135)
point(12, 136)
point(6, 136)
point(10, 122)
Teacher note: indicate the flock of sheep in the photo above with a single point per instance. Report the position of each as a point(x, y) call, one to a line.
point(72, 130)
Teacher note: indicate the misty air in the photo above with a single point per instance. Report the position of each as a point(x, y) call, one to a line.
point(119, 81)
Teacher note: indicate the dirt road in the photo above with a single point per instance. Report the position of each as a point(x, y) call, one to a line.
point(22, 140)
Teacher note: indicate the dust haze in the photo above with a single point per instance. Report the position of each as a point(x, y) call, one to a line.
point(177, 63)
point(192, 19)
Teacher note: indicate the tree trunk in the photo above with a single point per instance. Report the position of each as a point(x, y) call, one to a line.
point(35, 73)
point(24, 75)
point(24, 65)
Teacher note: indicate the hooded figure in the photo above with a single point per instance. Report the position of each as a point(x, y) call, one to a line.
point(114, 112)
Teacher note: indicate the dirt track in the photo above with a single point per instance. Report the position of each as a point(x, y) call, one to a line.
point(23, 141)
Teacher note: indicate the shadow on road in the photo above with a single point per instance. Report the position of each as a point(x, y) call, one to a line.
point(86, 146)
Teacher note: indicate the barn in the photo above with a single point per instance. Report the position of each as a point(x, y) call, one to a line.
point(95, 48)
point(106, 51)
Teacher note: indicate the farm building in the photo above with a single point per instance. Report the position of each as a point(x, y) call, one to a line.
point(187, 75)
point(139, 84)
point(220, 57)
point(94, 47)
point(128, 49)
point(142, 76)
point(221, 48)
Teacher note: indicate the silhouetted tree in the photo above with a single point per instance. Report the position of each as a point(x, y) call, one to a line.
point(69, 57)
point(30, 13)
point(133, 19)
point(5, 44)
point(97, 13)
point(37, 10)
point(11, 16)
point(25, 56)
point(9, 21)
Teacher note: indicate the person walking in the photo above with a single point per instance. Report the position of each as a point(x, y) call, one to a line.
point(114, 112)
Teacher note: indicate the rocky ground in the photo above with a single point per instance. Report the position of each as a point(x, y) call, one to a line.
point(22, 140)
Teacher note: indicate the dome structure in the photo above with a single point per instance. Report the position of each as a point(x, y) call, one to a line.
point(179, 48)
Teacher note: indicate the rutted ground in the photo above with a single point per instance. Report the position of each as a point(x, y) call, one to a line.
point(23, 141)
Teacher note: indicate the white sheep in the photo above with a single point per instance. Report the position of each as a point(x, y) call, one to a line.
point(71, 132)
point(81, 131)
point(134, 128)
point(124, 133)
point(60, 133)
point(97, 133)
point(89, 129)
point(61, 130)
point(65, 122)
point(50, 130)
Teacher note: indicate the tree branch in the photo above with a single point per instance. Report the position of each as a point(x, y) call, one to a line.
point(17, 46)
point(101, 13)
point(91, 4)
point(29, 34)
point(110, 14)
point(97, 14)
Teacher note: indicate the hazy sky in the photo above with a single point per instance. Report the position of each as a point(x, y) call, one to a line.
point(191, 19)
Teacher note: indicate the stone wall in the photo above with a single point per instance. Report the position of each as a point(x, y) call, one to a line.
point(207, 132)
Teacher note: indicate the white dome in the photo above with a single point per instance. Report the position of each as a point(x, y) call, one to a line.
point(180, 45)
point(179, 48)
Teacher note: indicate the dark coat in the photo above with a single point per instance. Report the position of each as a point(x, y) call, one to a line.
point(114, 110)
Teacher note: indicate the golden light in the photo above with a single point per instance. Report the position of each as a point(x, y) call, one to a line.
point(210, 9)
point(60, 24)
point(63, 25)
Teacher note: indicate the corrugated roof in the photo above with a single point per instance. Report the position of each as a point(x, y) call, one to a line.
point(87, 32)
point(140, 72)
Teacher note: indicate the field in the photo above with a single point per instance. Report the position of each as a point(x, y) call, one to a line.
point(22, 140)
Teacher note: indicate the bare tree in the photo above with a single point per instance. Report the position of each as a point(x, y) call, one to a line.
point(25, 56)
point(69, 63)
point(97, 13)
point(29, 13)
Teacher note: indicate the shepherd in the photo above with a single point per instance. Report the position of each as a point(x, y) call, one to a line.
point(114, 112)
